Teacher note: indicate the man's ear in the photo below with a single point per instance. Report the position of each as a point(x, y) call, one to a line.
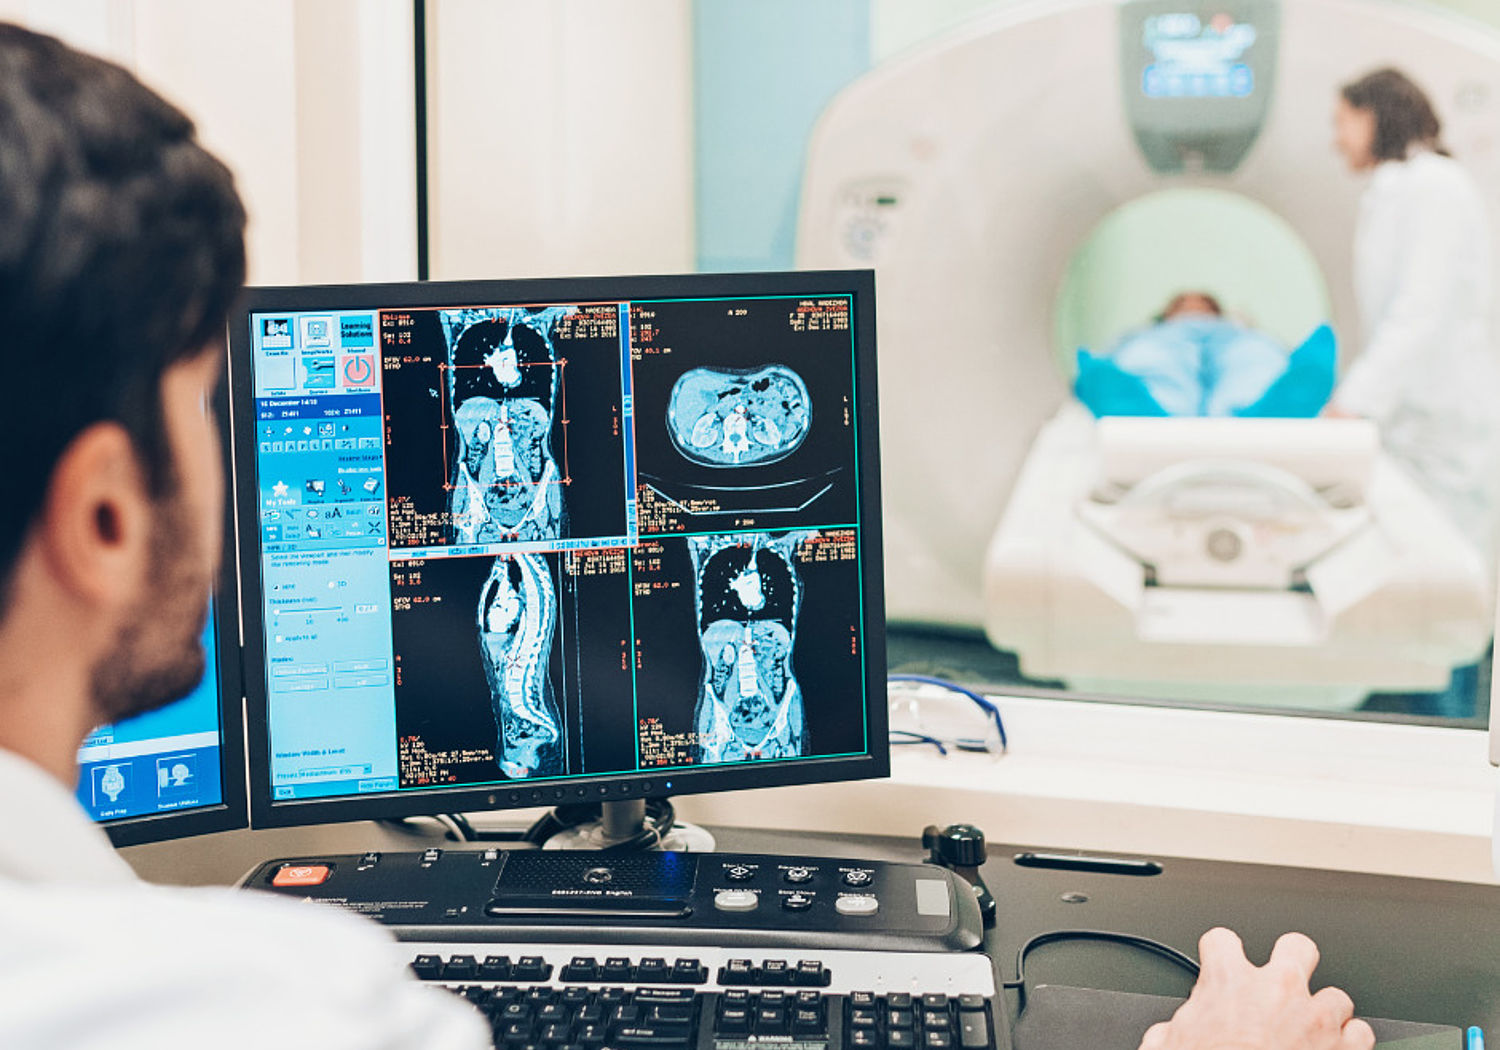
point(94, 528)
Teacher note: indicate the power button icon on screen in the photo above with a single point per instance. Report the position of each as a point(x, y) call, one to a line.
point(358, 370)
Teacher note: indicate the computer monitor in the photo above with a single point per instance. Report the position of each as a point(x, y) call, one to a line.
point(179, 770)
point(521, 543)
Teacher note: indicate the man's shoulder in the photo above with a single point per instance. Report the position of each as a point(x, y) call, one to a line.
point(169, 963)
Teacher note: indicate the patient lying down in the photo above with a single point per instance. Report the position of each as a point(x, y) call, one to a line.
point(1194, 361)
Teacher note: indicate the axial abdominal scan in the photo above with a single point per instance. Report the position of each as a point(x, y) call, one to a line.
point(726, 418)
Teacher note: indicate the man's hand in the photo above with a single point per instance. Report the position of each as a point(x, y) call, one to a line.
point(1237, 1006)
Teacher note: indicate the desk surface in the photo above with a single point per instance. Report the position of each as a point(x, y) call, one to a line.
point(1413, 949)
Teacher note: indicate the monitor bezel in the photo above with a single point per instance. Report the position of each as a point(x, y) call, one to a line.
point(265, 812)
point(231, 813)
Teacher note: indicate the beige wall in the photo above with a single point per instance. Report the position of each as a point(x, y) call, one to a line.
point(309, 103)
point(561, 137)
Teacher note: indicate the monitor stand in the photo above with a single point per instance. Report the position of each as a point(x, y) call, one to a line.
point(623, 820)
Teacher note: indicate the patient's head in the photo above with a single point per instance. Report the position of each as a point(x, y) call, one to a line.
point(1190, 304)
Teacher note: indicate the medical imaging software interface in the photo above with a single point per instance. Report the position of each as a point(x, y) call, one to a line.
point(161, 762)
point(564, 539)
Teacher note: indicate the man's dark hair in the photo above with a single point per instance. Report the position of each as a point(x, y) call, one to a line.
point(1404, 116)
point(121, 253)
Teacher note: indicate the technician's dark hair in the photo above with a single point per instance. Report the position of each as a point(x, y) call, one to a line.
point(1404, 116)
point(121, 253)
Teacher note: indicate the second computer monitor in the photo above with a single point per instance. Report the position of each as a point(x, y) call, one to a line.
point(520, 543)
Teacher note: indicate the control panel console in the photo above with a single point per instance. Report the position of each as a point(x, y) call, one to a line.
point(723, 899)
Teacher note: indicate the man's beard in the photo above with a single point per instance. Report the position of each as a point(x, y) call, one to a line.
point(157, 656)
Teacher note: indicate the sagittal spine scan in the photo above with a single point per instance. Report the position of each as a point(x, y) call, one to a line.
point(517, 617)
point(503, 388)
point(738, 418)
point(748, 596)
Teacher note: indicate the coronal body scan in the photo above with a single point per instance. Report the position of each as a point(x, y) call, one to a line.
point(503, 388)
point(748, 596)
point(734, 417)
point(517, 618)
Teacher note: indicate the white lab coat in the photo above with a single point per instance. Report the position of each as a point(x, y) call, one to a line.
point(91, 958)
point(1428, 373)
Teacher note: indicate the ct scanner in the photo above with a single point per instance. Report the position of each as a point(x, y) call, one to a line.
point(1160, 551)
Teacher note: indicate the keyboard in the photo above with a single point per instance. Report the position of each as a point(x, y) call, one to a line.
point(590, 997)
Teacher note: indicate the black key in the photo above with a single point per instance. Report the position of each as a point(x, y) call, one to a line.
point(519, 1030)
point(612, 996)
point(592, 1034)
point(738, 996)
point(808, 1021)
point(811, 972)
point(810, 999)
point(461, 968)
point(899, 1019)
point(540, 995)
point(617, 968)
point(934, 1002)
point(652, 1035)
point(581, 968)
point(689, 971)
point(937, 1040)
point(517, 1011)
point(495, 968)
point(863, 1017)
point(900, 1038)
point(862, 998)
point(775, 972)
point(935, 1021)
point(770, 1020)
point(590, 1013)
point(427, 967)
point(644, 996)
point(863, 1037)
point(576, 996)
point(733, 1020)
point(552, 1013)
point(654, 969)
point(971, 1002)
point(899, 1000)
point(777, 998)
point(973, 1029)
point(532, 968)
point(737, 971)
point(672, 1013)
point(554, 1033)
point(625, 1014)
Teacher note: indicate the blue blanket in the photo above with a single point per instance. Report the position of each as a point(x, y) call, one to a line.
point(1205, 366)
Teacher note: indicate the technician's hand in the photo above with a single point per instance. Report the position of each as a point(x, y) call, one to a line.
point(1237, 1006)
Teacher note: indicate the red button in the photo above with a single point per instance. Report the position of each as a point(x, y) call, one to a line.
point(301, 875)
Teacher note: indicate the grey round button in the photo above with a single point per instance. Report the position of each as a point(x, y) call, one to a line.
point(857, 904)
point(1224, 545)
point(736, 900)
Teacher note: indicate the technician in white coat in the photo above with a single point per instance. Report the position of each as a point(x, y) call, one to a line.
point(1427, 375)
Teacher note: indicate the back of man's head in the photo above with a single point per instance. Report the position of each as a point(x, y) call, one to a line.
point(121, 253)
